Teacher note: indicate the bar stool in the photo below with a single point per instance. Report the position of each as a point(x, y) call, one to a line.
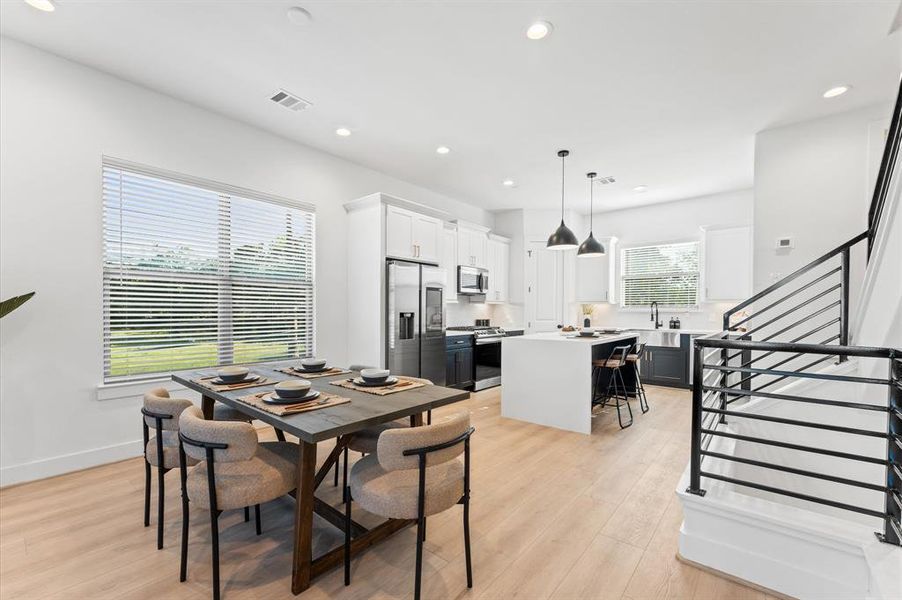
point(616, 387)
point(633, 358)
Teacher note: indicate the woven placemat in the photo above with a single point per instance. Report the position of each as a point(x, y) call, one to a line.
point(306, 375)
point(403, 385)
point(207, 382)
point(325, 400)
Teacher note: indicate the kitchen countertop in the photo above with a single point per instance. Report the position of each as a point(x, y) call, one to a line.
point(688, 330)
point(556, 336)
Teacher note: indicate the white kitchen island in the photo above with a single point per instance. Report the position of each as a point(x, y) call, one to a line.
point(546, 378)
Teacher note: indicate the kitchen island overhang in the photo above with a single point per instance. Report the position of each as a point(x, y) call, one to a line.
point(546, 378)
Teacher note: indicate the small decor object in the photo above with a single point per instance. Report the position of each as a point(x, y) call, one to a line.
point(562, 238)
point(11, 304)
point(591, 247)
point(587, 313)
point(676, 323)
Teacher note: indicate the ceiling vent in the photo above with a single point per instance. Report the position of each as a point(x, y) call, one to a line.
point(289, 100)
point(605, 179)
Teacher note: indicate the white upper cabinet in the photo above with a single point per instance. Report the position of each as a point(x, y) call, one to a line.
point(596, 276)
point(411, 235)
point(472, 246)
point(728, 263)
point(449, 263)
point(498, 261)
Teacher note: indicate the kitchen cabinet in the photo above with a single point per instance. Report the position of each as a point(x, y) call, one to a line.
point(498, 257)
point(459, 368)
point(449, 262)
point(596, 276)
point(727, 263)
point(472, 246)
point(412, 236)
point(666, 365)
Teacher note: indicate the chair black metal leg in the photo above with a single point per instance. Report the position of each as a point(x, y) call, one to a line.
point(146, 493)
point(336, 472)
point(247, 514)
point(214, 529)
point(161, 495)
point(428, 417)
point(344, 469)
point(421, 525)
point(618, 388)
point(183, 558)
point(347, 498)
point(467, 541)
point(257, 519)
point(640, 391)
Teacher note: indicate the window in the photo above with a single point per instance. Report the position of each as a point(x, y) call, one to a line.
point(197, 274)
point(666, 274)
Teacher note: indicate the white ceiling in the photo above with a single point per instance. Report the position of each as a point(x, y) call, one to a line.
point(665, 94)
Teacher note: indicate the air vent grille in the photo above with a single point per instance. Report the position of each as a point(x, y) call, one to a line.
point(605, 179)
point(289, 100)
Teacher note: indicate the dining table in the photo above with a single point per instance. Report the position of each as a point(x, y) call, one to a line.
point(339, 423)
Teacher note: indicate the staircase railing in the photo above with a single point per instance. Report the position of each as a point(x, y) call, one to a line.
point(885, 174)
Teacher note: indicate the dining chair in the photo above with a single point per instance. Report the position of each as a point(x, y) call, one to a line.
point(634, 358)
point(415, 472)
point(616, 387)
point(233, 470)
point(161, 413)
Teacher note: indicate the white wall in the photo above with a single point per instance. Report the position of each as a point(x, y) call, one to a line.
point(56, 120)
point(814, 181)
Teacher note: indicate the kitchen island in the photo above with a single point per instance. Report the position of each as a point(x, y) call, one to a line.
point(546, 378)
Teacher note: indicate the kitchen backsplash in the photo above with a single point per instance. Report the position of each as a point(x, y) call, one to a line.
point(464, 312)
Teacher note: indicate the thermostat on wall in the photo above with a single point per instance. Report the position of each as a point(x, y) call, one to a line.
point(784, 242)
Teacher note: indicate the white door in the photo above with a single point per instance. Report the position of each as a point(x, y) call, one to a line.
point(544, 288)
point(427, 238)
point(398, 232)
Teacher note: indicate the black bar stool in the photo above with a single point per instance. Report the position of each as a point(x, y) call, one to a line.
point(616, 387)
point(639, 391)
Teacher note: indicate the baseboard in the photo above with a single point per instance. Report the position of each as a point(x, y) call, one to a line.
point(67, 463)
point(733, 578)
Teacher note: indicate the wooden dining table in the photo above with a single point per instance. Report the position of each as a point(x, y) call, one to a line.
point(337, 422)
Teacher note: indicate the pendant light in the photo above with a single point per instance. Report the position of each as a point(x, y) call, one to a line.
point(591, 247)
point(562, 238)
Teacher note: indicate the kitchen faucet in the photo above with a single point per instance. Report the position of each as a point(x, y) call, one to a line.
point(654, 315)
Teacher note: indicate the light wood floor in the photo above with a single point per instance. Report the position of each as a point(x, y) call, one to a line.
point(554, 515)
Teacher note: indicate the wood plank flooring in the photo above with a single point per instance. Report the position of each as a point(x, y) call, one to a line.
point(554, 515)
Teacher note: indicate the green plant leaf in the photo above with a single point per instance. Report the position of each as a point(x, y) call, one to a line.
point(11, 304)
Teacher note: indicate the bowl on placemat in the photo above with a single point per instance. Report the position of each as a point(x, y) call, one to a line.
point(586, 333)
point(313, 364)
point(233, 374)
point(374, 375)
point(292, 388)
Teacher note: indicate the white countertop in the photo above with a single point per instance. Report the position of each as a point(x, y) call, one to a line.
point(688, 330)
point(556, 336)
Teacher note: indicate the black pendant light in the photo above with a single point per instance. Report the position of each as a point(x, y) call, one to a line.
point(591, 247)
point(562, 238)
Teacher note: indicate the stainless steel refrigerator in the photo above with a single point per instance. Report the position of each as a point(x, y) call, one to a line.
point(415, 323)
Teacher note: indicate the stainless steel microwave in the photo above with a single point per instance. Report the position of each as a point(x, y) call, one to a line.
point(472, 280)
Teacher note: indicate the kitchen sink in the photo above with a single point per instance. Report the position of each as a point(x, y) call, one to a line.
point(658, 337)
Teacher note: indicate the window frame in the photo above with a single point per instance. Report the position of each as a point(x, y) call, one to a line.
point(223, 278)
point(673, 308)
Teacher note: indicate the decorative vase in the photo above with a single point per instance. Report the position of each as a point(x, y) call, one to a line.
point(587, 322)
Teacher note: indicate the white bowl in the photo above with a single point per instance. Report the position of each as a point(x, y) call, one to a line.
point(313, 364)
point(233, 374)
point(375, 375)
point(292, 388)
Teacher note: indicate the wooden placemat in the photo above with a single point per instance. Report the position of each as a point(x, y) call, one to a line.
point(306, 375)
point(325, 400)
point(207, 382)
point(403, 385)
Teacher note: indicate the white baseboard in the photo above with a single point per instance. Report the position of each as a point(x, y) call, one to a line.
point(58, 465)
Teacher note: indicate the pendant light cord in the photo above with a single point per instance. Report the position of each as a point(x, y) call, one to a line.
point(591, 203)
point(563, 158)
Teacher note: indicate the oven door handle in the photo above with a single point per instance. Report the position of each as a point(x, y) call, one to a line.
point(488, 341)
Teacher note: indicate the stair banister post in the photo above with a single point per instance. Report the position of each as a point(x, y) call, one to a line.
point(695, 457)
point(890, 533)
point(844, 302)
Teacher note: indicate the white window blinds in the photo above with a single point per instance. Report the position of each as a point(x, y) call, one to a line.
point(197, 274)
point(667, 274)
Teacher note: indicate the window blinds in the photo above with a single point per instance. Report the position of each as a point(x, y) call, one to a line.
point(667, 274)
point(197, 274)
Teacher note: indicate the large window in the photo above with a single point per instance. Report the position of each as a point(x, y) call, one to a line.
point(666, 274)
point(197, 274)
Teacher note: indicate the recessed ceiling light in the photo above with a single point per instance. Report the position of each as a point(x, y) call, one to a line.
point(299, 16)
point(343, 131)
point(45, 5)
point(508, 183)
point(640, 189)
point(443, 149)
point(539, 30)
point(837, 91)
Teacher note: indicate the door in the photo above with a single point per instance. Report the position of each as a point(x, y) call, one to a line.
point(399, 226)
point(544, 288)
point(403, 319)
point(432, 340)
point(465, 367)
point(427, 238)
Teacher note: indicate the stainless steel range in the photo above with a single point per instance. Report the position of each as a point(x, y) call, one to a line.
point(486, 354)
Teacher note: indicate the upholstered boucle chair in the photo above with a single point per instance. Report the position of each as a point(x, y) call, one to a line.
point(161, 414)
point(234, 470)
point(415, 472)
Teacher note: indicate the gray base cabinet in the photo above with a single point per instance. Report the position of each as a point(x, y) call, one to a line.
point(459, 367)
point(665, 365)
